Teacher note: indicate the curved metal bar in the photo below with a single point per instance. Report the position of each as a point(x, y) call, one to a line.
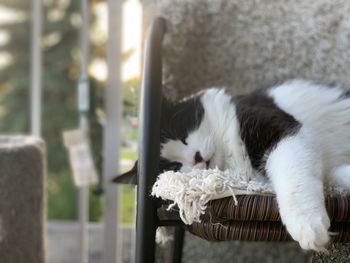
point(149, 143)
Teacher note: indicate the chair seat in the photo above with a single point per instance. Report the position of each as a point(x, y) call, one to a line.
point(256, 218)
point(256, 231)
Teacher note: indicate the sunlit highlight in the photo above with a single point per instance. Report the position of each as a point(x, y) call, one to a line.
point(131, 40)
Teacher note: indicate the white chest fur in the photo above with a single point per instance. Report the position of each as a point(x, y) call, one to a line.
point(230, 151)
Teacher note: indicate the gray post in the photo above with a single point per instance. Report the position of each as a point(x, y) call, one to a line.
point(112, 246)
point(35, 100)
point(83, 106)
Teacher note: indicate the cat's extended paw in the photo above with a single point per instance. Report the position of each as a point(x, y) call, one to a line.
point(310, 232)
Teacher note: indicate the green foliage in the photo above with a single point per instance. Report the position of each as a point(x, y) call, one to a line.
point(14, 78)
point(62, 192)
point(129, 154)
point(127, 204)
point(130, 97)
point(96, 204)
point(60, 73)
point(61, 38)
point(62, 199)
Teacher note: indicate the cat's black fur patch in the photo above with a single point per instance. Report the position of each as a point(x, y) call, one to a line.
point(179, 119)
point(262, 124)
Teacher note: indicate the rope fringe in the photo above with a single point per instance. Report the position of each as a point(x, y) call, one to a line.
point(192, 191)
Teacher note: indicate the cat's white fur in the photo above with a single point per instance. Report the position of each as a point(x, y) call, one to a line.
point(298, 166)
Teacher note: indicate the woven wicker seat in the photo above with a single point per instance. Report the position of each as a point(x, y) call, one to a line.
point(256, 218)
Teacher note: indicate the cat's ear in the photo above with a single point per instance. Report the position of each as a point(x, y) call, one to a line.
point(129, 177)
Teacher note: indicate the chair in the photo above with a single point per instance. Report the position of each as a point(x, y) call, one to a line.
point(256, 217)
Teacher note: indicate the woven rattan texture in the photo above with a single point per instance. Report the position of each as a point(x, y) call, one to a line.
point(256, 218)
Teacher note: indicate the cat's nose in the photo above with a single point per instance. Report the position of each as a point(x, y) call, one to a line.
point(198, 157)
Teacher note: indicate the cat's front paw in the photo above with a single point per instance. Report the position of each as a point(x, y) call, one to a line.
point(310, 231)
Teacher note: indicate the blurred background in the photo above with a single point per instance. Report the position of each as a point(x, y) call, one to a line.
point(232, 43)
point(61, 58)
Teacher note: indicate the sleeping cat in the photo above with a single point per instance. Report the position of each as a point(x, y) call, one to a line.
point(296, 134)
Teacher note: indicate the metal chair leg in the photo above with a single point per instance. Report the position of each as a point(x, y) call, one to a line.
point(178, 244)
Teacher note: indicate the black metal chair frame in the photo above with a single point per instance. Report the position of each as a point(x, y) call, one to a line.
point(149, 149)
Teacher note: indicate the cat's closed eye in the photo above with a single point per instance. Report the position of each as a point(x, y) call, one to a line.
point(184, 141)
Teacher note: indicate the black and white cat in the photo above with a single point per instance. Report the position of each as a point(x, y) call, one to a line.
point(297, 134)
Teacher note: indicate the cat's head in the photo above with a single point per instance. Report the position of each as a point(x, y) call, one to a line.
point(186, 137)
point(186, 134)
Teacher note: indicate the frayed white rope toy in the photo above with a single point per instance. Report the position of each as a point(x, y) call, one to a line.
point(192, 191)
